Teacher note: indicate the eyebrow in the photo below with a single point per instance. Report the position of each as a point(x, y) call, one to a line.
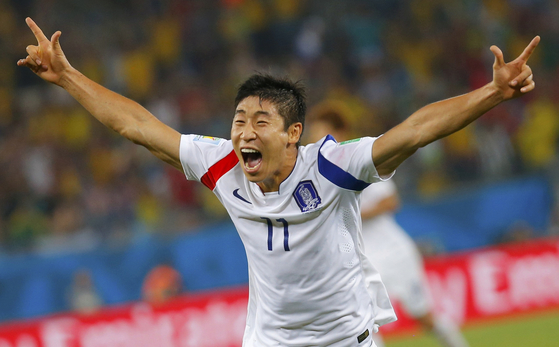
point(258, 113)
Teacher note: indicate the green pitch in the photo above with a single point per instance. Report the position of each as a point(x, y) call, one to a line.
point(540, 330)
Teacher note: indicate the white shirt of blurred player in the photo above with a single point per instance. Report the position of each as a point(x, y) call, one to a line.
point(394, 254)
point(309, 282)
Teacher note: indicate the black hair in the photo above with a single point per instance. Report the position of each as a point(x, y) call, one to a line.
point(286, 95)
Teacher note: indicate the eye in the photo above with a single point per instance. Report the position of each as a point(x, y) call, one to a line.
point(239, 122)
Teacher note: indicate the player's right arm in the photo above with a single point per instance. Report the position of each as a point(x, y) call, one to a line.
point(125, 116)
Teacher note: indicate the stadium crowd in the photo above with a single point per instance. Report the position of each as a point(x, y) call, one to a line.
point(68, 183)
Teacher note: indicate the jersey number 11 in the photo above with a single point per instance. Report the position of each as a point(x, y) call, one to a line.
point(271, 232)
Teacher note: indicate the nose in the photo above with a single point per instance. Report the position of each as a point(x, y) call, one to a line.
point(248, 132)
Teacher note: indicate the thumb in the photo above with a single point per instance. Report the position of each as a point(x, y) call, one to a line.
point(499, 60)
point(55, 41)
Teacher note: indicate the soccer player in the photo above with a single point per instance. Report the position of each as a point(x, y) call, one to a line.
point(391, 251)
point(295, 208)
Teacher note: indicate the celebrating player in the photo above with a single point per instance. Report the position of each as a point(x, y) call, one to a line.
point(295, 208)
point(391, 251)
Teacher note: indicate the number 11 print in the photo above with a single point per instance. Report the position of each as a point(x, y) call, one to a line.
point(271, 233)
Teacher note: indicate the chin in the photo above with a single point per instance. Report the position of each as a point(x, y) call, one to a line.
point(253, 177)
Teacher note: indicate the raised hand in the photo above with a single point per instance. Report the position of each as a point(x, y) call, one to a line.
point(515, 78)
point(46, 59)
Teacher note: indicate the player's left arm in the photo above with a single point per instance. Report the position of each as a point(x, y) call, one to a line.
point(440, 119)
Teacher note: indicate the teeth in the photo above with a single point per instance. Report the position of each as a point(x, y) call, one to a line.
point(251, 168)
point(248, 150)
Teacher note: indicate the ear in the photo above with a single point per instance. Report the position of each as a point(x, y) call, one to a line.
point(294, 132)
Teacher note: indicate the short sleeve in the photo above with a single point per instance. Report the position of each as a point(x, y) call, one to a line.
point(198, 153)
point(353, 157)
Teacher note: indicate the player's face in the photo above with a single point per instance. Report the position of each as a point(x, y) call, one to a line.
point(266, 151)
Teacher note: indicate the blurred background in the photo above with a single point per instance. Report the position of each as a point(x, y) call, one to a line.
point(81, 207)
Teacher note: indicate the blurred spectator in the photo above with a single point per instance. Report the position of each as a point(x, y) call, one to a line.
point(68, 231)
point(520, 231)
point(538, 135)
point(161, 284)
point(82, 295)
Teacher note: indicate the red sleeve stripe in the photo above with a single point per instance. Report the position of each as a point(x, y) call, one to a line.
point(219, 169)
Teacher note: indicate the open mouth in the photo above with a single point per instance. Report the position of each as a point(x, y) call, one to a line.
point(251, 158)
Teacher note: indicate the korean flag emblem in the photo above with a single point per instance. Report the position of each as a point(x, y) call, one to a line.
point(306, 196)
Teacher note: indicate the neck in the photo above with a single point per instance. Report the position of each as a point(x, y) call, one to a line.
point(272, 184)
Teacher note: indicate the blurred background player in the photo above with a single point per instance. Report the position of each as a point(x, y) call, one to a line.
point(389, 248)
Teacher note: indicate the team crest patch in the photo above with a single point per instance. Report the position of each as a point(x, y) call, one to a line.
point(306, 196)
point(208, 139)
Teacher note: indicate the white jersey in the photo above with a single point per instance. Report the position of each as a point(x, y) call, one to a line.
point(394, 254)
point(309, 282)
point(384, 227)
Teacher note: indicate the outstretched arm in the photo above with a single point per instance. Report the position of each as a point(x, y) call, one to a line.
point(125, 116)
point(440, 119)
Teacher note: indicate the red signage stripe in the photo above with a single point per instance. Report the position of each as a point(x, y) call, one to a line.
point(219, 169)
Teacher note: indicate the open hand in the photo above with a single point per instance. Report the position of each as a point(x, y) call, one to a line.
point(515, 78)
point(46, 59)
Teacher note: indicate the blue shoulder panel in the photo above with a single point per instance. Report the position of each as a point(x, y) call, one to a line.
point(336, 175)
